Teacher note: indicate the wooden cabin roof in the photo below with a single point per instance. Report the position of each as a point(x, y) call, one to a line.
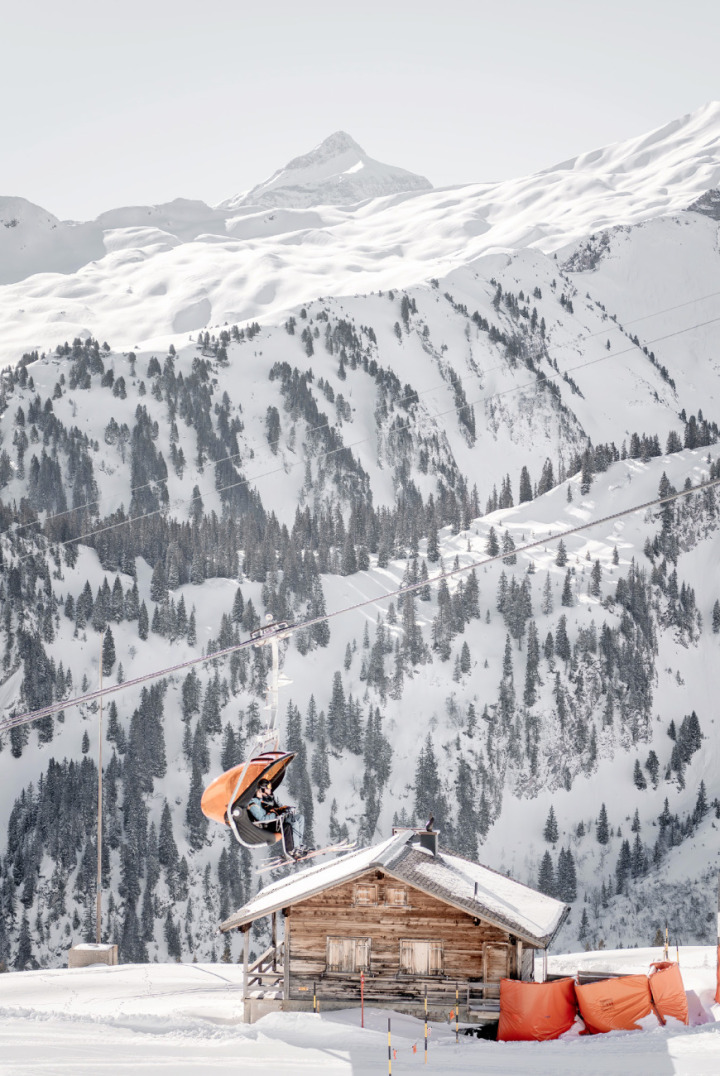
point(470, 887)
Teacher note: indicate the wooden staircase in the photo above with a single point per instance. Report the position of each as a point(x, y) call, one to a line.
point(266, 976)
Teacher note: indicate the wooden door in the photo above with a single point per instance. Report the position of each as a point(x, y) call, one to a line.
point(496, 966)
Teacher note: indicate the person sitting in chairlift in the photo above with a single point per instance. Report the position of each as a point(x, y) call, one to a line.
point(265, 811)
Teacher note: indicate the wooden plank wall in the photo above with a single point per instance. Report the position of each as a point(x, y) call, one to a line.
point(424, 918)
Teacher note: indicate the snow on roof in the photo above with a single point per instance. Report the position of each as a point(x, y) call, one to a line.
point(501, 899)
point(509, 904)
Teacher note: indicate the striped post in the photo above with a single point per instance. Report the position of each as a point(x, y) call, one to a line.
point(389, 1050)
point(665, 954)
point(426, 1023)
point(362, 999)
point(457, 1013)
point(314, 997)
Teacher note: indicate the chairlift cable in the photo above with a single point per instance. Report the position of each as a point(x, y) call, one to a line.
point(17, 720)
point(330, 452)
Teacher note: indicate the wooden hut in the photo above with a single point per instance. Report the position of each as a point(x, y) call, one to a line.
point(409, 917)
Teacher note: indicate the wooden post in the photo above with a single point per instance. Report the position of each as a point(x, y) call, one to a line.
point(246, 959)
point(519, 958)
point(362, 999)
point(98, 894)
point(286, 958)
point(314, 997)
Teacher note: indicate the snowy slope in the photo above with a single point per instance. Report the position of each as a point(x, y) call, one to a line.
point(431, 699)
point(385, 399)
point(161, 276)
point(187, 1017)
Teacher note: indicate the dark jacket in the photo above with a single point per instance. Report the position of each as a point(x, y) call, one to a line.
point(264, 809)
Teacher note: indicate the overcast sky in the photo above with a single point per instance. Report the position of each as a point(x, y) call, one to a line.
point(118, 103)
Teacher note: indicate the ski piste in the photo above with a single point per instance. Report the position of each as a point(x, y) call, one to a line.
point(281, 861)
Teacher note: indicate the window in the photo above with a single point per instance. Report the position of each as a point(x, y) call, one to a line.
point(396, 897)
point(347, 954)
point(365, 894)
point(421, 957)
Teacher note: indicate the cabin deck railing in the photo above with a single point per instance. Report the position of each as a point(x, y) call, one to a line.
point(267, 970)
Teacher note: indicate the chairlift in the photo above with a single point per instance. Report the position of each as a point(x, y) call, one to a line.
point(226, 798)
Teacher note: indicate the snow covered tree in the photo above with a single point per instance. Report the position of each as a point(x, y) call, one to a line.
point(546, 876)
point(602, 828)
point(108, 652)
point(550, 832)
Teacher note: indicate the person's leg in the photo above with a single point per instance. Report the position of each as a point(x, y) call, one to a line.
point(288, 836)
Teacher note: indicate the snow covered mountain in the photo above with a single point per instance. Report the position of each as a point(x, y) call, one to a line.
point(555, 710)
point(165, 276)
point(337, 172)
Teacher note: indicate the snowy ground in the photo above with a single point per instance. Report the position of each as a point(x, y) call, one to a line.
point(186, 1018)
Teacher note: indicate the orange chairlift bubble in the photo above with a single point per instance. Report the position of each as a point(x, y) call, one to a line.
point(226, 798)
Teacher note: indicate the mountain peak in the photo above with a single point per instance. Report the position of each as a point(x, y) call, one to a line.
point(339, 142)
point(336, 172)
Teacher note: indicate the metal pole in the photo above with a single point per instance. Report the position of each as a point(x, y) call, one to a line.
point(717, 991)
point(457, 1012)
point(389, 1050)
point(426, 1023)
point(314, 997)
point(665, 951)
point(98, 898)
point(362, 999)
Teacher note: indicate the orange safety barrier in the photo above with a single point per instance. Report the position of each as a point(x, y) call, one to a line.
point(614, 1004)
point(535, 1011)
point(668, 991)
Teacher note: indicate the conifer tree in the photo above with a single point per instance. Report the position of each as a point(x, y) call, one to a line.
point(550, 832)
point(108, 652)
point(546, 876)
point(638, 776)
point(566, 880)
point(546, 606)
point(567, 598)
point(602, 828)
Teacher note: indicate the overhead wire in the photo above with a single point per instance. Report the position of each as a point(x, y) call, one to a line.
point(284, 468)
point(15, 721)
point(154, 483)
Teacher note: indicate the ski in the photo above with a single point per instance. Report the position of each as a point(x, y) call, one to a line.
point(280, 861)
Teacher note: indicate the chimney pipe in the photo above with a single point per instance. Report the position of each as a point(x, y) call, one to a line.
point(428, 839)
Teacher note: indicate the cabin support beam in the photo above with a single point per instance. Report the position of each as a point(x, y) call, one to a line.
point(246, 959)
